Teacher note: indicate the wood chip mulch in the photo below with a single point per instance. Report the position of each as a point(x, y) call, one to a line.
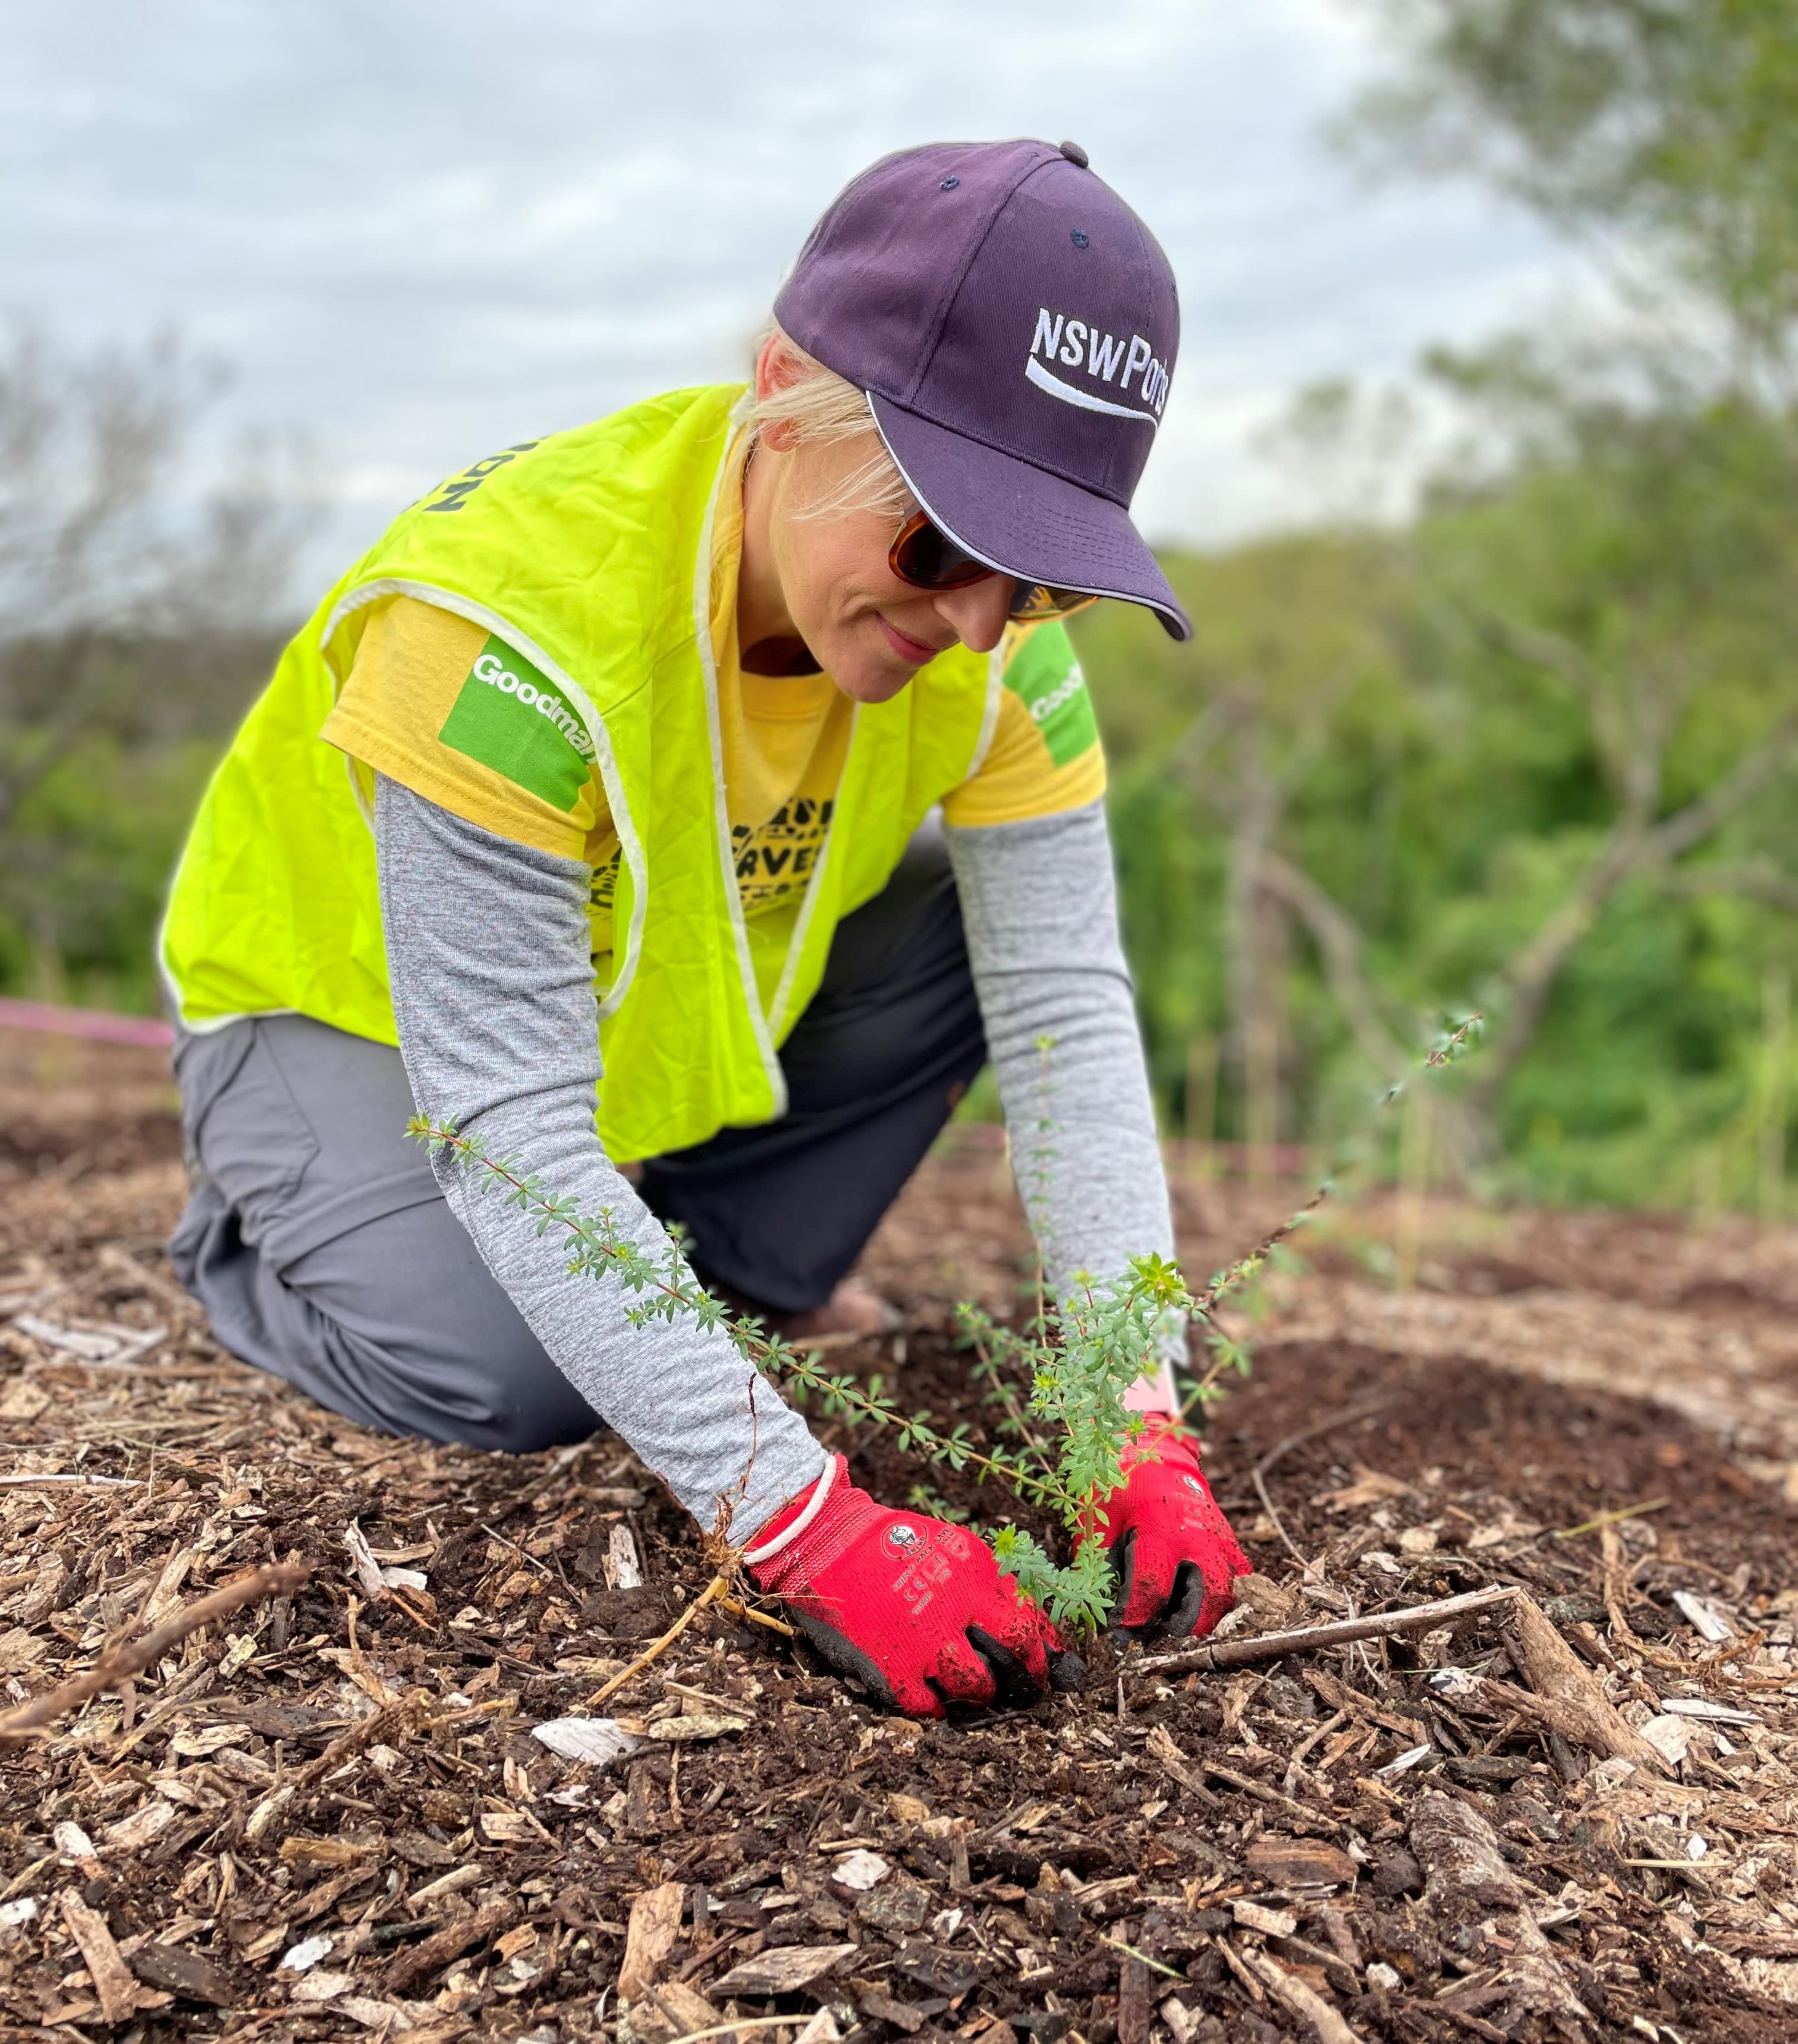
point(331, 1816)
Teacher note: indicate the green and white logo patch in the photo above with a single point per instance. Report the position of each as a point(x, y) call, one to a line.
point(513, 719)
point(1045, 675)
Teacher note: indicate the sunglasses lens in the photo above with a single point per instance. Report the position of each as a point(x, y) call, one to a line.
point(1035, 600)
point(928, 558)
point(922, 556)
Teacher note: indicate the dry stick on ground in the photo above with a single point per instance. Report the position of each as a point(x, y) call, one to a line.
point(273, 1579)
point(1567, 1686)
point(1302, 2001)
point(1307, 1638)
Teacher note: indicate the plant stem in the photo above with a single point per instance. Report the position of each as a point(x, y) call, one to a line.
point(1444, 1053)
point(765, 1354)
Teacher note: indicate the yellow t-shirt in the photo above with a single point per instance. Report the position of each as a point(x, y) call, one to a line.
point(418, 707)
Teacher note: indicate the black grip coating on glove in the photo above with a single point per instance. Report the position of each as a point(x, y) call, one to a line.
point(1013, 1682)
point(846, 1659)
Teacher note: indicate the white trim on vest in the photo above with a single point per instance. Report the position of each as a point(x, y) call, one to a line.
point(802, 922)
point(721, 806)
point(630, 845)
point(989, 716)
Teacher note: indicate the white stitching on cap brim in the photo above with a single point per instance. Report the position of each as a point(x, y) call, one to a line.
point(986, 560)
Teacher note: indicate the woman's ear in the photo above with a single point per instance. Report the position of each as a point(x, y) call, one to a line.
point(774, 370)
point(774, 367)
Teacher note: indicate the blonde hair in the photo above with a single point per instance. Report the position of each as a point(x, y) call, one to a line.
point(825, 409)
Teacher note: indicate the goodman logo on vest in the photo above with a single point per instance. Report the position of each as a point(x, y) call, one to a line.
point(1058, 697)
point(1075, 344)
point(1046, 678)
point(490, 668)
point(509, 717)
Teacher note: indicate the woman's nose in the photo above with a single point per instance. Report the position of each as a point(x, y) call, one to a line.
point(978, 612)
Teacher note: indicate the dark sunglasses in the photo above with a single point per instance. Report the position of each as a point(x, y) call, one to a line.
point(928, 558)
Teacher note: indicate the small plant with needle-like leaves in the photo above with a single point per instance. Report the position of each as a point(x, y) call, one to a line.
point(1074, 1363)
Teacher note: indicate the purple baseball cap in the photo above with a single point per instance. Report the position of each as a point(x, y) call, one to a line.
point(1014, 325)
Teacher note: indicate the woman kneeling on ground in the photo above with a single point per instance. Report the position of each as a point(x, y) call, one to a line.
point(594, 810)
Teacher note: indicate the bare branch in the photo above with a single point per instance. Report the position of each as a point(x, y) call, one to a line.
point(1629, 847)
point(273, 1579)
point(1757, 766)
point(1761, 882)
point(1308, 1639)
point(1339, 941)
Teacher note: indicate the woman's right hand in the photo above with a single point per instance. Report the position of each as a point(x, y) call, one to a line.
point(913, 1608)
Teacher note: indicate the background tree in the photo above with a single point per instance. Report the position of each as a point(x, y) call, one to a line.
point(1664, 133)
point(136, 602)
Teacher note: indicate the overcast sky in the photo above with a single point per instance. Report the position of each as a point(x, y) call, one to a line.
point(419, 231)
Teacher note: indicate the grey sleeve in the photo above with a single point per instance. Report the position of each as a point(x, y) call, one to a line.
point(488, 957)
point(1039, 904)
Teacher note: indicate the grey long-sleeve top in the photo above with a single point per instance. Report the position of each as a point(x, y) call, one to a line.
point(488, 957)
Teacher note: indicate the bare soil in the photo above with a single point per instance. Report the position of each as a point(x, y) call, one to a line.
point(1163, 1856)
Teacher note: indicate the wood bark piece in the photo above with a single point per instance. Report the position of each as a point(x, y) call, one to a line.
point(191, 1975)
point(1310, 1638)
point(119, 1666)
point(1300, 1863)
point(1468, 1883)
point(655, 1924)
point(1459, 1853)
point(1134, 2003)
point(1302, 2001)
point(785, 1970)
point(672, 2010)
point(1558, 1677)
point(1175, 1763)
point(436, 1952)
point(118, 1992)
point(1339, 1696)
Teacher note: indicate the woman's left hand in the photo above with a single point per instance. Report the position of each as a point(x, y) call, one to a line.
point(1176, 1558)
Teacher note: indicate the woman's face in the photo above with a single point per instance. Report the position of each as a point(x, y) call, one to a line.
point(869, 631)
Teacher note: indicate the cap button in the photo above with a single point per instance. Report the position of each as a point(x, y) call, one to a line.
point(1075, 154)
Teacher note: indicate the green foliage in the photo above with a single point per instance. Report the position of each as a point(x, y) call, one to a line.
point(1668, 126)
point(1448, 725)
point(1081, 1359)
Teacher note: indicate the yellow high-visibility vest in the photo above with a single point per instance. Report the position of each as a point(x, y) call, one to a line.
point(588, 553)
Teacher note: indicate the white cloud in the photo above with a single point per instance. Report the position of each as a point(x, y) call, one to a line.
point(423, 230)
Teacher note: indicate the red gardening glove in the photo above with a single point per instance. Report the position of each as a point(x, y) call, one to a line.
point(1177, 1559)
point(914, 1608)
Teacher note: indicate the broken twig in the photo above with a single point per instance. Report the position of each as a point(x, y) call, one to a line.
point(273, 1579)
point(1308, 1639)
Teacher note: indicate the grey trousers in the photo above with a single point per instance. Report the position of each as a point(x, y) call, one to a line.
point(319, 1244)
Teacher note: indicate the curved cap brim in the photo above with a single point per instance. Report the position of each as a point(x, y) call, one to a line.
point(1021, 520)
